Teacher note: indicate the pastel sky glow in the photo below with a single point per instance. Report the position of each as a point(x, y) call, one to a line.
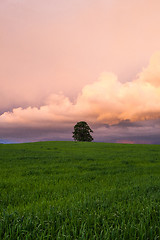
point(91, 60)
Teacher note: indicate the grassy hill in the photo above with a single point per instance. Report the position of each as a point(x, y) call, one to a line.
point(68, 190)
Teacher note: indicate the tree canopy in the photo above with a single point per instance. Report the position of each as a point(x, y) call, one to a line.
point(82, 132)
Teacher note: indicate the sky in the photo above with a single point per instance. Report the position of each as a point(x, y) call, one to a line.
point(80, 60)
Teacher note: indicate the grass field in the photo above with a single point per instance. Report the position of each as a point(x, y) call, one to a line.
point(68, 190)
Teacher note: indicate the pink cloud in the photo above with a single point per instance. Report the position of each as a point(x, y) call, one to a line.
point(48, 47)
point(106, 101)
point(52, 46)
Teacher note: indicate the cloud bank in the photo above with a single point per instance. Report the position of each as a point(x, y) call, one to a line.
point(105, 102)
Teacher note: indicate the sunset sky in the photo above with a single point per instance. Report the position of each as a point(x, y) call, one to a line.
point(64, 61)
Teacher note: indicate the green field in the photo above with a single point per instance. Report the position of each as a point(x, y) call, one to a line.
point(68, 190)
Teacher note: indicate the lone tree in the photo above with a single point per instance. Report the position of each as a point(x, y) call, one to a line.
point(82, 132)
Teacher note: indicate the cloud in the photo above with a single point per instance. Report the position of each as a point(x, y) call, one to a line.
point(110, 101)
point(146, 132)
point(106, 101)
point(49, 46)
point(126, 123)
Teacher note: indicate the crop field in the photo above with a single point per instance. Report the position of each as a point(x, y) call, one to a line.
point(69, 190)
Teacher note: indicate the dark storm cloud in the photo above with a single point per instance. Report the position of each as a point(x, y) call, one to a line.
point(127, 123)
point(147, 132)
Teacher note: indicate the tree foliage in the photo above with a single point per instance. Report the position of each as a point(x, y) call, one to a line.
point(82, 132)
